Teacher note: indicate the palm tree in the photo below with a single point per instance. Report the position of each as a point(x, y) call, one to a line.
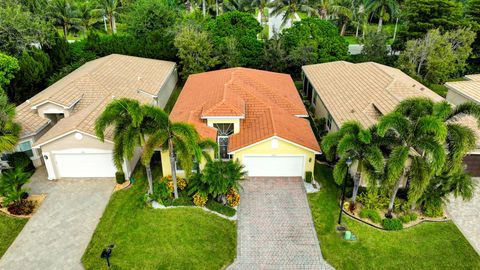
point(236, 5)
point(289, 8)
point(87, 16)
point(126, 117)
point(109, 9)
point(181, 140)
point(323, 7)
point(260, 5)
point(384, 9)
point(65, 14)
point(420, 152)
point(9, 130)
point(362, 146)
point(344, 11)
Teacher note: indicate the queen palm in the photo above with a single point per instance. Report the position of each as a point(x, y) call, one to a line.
point(181, 140)
point(109, 9)
point(420, 152)
point(384, 9)
point(9, 130)
point(459, 141)
point(65, 14)
point(290, 7)
point(87, 16)
point(361, 146)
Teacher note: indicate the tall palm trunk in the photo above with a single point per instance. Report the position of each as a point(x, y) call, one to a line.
point(173, 165)
point(344, 28)
point(395, 31)
point(380, 23)
point(356, 31)
point(216, 8)
point(113, 25)
point(394, 195)
point(204, 8)
point(356, 182)
point(149, 178)
point(65, 31)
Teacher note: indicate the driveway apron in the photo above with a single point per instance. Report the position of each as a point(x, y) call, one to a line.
point(275, 227)
point(466, 215)
point(59, 232)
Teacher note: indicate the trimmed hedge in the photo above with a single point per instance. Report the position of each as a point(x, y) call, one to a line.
point(220, 208)
point(393, 224)
point(371, 214)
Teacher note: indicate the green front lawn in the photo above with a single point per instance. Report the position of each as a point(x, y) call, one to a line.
point(145, 238)
point(10, 227)
point(426, 246)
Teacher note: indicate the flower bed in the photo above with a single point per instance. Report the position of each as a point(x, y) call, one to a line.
point(34, 200)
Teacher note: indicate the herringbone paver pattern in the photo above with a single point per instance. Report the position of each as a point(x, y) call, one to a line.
point(275, 228)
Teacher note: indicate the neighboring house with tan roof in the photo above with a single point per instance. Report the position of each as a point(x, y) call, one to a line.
point(256, 117)
point(460, 92)
point(341, 91)
point(58, 123)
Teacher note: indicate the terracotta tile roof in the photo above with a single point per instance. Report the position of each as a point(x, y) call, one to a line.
point(363, 91)
point(90, 87)
point(269, 102)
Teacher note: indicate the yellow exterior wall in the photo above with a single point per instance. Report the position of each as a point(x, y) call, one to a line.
point(235, 122)
point(167, 169)
point(284, 148)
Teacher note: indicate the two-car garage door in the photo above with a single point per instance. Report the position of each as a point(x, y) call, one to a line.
point(84, 164)
point(274, 165)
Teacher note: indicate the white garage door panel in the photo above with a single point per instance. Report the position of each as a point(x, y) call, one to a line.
point(274, 165)
point(85, 165)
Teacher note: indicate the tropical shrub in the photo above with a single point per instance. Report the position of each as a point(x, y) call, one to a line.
point(199, 199)
point(408, 217)
point(392, 224)
point(21, 159)
point(181, 182)
point(12, 180)
point(220, 208)
point(308, 177)
point(372, 200)
point(399, 205)
point(371, 214)
point(233, 197)
point(433, 207)
point(218, 178)
point(161, 192)
point(120, 177)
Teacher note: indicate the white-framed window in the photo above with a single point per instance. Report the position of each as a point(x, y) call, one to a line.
point(224, 131)
point(26, 147)
point(329, 121)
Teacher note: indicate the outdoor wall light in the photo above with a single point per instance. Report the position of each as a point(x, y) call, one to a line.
point(45, 157)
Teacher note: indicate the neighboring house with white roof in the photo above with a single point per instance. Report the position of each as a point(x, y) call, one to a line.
point(58, 124)
point(460, 92)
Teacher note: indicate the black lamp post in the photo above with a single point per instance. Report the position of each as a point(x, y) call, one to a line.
point(340, 227)
point(106, 253)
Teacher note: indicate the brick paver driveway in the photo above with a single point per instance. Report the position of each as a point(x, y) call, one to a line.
point(58, 234)
point(466, 216)
point(275, 228)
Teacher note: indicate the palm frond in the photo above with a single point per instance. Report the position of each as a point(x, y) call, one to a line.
point(340, 171)
point(431, 125)
point(469, 108)
point(396, 163)
point(396, 122)
point(442, 110)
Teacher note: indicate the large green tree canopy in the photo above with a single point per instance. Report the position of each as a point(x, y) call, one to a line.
point(424, 15)
point(244, 28)
point(327, 43)
point(146, 16)
point(19, 28)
